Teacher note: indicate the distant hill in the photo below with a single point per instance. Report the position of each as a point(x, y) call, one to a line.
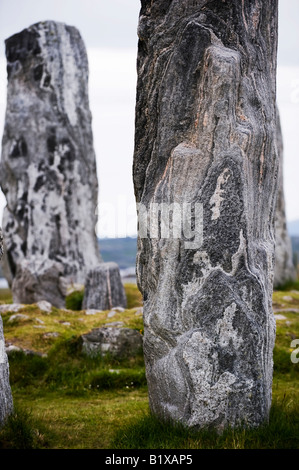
point(293, 228)
point(120, 250)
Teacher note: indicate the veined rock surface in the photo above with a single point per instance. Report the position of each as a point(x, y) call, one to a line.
point(104, 289)
point(284, 266)
point(6, 403)
point(48, 168)
point(205, 135)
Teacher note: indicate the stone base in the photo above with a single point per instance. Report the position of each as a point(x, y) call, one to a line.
point(36, 281)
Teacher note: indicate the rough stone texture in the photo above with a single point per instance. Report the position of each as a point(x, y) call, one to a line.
point(119, 342)
point(205, 132)
point(48, 168)
point(6, 403)
point(104, 289)
point(44, 306)
point(284, 266)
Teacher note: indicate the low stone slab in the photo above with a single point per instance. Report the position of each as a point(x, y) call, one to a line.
point(119, 342)
point(104, 289)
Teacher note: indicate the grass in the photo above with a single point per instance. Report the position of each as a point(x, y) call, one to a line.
point(65, 400)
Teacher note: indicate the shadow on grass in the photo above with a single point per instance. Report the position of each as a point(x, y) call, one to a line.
point(148, 432)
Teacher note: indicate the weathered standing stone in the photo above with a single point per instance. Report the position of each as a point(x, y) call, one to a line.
point(48, 168)
point(284, 266)
point(205, 133)
point(6, 403)
point(104, 289)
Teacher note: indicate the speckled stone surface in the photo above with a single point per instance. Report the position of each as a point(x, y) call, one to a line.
point(48, 168)
point(104, 288)
point(205, 132)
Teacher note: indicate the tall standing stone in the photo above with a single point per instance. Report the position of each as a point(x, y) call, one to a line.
point(205, 134)
point(284, 266)
point(6, 403)
point(48, 168)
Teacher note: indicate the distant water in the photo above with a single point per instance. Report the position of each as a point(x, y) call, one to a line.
point(3, 283)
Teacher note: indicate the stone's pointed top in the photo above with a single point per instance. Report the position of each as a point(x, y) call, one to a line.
point(26, 43)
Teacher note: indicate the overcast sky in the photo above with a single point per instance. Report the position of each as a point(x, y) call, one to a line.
point(109, 31)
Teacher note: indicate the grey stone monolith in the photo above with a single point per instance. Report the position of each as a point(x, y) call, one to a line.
point(6, 402)
point(284, 267)
point(48, 166)
point(205, 148)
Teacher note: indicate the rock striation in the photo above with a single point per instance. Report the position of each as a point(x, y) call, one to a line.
point(284, 267)
point(205, 138)
point(6, 402)
point(104, 289)
point(48, 167)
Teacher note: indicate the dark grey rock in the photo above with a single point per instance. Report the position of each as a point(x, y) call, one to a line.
point(205, 133)
point(6, 402)
point(119, 342)
point(104, 289)
point(284, 267)
point(48, 167)
point(4, 308)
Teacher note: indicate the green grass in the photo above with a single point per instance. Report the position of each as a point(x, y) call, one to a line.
point(74, 300)
point(69, 401)
point(148, 432)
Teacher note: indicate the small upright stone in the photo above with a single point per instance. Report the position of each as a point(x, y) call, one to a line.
point(6, 403)
point(48, 167)
point(104, 289)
